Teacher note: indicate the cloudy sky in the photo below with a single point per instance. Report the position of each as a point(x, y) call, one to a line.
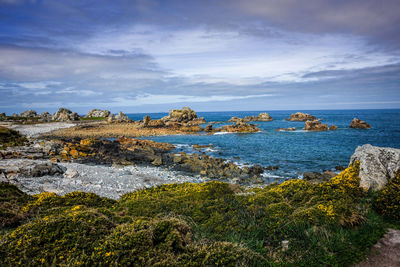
point(153, 55)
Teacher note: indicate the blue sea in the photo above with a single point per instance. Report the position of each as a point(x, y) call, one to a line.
point(294, 152)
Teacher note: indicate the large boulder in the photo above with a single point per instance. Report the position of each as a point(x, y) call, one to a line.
point(378, 165)
point(315, 125)
point(300, 116)
point(28, 114)
point(64, 114)
point(359, 124)
point(98, 113)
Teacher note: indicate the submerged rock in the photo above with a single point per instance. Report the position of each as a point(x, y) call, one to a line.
point(98, 113)
point(290, 129)
point(378, 165)
point(359, 124)
point(315, 125)
point(300, 116)
point(64, 114)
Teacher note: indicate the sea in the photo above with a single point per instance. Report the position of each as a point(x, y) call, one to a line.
point(296, 151)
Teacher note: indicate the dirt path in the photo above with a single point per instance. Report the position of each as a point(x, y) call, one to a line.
point(385, 253)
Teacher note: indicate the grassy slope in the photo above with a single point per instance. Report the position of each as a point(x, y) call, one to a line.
point(331, 224)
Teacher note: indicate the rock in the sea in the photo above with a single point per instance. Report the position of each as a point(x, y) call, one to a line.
point(184, 115)
point(64, 114)
point(260, 117)
point(378, 165)
point(98, 113)
point(332, 128)
point(209, 128)
point(290, 129)
point(235, 119)
point(300, 116)
point(28, 114)
point(359, 124)
point(315, 125)
point(238, 127)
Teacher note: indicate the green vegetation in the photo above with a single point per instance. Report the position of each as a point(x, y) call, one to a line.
point(388, 200)
point(208, 224)
point(9, 137)
point(92, 118)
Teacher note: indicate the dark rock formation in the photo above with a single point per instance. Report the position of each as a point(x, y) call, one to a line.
point(315, 125)
point(317, 177)
point(300, 116)
point(359, 124)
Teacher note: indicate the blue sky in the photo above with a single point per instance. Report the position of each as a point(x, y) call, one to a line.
point(150, 56)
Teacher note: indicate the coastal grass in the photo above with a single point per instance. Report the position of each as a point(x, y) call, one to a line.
point(10, 138)
point(208, 224)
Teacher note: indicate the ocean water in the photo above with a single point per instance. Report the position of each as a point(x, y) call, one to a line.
point(294, 152)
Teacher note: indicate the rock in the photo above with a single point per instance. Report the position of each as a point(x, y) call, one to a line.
point(15, 115)
point(3, 115)
point(64, 114)
point(157, 161)
point(377, 165)
point(235, 119)
point(42, 169)
point(183, 115)
point(315, 125)
point(238, 127)
point(260, 117)
point(71, 173)
point(272, 168)
point(333, 128)
point(124, 173)
point(121, 117)
point(28, 114)
point(359, 124)
point(196, 146)
point(317, 177)
point(209, 128)
point(300, 116)
point(3, 177)
point(290, 129)
point(98, 113)
point(46, 116)
point(146, 120)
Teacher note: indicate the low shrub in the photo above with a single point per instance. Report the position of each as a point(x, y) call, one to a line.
point(388, 199)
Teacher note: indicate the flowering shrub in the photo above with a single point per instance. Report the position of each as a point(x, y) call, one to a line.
point(388, 199)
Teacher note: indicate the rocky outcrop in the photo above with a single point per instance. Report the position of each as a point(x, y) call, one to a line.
point(215, 168)
point(378, 165)
point(184, 115)
point(315, 125)
point(333, 128)
point(64, 114)
point(359, 124)
point(260, 117)
point(120, 117)
point(28, 114)
point(239, 127)
point(235, 119)
point(300, 116)
point(45, 116)
point(98, 113)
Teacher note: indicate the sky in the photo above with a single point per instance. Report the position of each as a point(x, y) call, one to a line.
point(211, 55)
